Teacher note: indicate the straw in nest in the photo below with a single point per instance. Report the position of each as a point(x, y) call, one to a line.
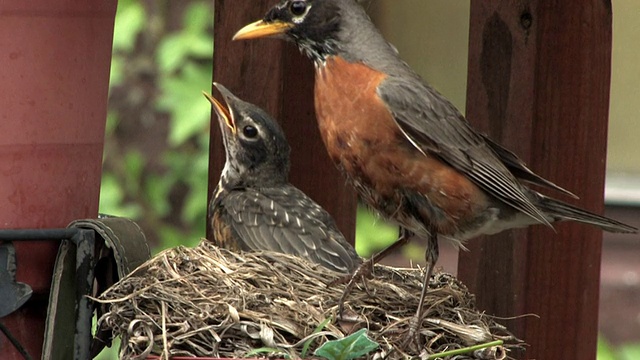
point(210, 302)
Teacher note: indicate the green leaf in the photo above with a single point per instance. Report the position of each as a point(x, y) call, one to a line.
point(116, 74)
point(181, 96)
point(629, 352)
point(320, 327)
point(174, 51)
point(170, 236)
point(134, 166)
point(200, 45)
point(197, 17)
point(195, 204)
point(110, 193)
point(157, 188)
point(193, 41)
point(112, 122)
point(171, 53)
point(130, 19)
point(350, 347)
point(112, 199)
point(373, 233)
point(605, 352)
point(413, 251)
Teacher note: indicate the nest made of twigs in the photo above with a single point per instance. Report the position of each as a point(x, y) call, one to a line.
point(207, 301)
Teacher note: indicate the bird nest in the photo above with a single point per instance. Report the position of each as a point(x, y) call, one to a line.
point(210, 302)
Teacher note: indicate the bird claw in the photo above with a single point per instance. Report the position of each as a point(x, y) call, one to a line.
point(363, 271)
point(412, 336)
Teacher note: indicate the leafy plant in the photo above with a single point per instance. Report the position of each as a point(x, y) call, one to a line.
point(157, 137)
point(372, 232)
point(307, 344)
point(350, 347)
point(630, 352)
point(624, 352)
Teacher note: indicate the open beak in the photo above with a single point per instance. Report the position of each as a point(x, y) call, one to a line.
point(222, 112)
point(260, 29)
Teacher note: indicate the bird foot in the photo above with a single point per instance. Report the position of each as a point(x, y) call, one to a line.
point(363, 271)
point(412, 338)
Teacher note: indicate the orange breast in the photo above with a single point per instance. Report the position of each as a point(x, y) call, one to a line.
point(364, 141)
point(223, 235)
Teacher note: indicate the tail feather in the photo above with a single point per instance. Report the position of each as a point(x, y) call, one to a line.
point(562, 211)
point(520, 170)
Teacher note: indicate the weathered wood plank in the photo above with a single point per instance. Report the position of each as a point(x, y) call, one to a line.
point(538, 82)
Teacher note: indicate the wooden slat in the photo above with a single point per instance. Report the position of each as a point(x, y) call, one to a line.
point(538, 82)
point(273, 75)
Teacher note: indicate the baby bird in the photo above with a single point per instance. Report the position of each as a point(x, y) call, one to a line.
point(255, 207)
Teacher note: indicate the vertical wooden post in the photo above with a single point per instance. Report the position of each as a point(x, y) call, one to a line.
point(273, 75)
point(538, 82)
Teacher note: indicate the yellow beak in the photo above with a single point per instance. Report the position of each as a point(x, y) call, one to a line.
point(260, 29)
point(221, 111)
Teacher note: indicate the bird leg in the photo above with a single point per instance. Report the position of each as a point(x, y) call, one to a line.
point(431, 256)
point(365, 269)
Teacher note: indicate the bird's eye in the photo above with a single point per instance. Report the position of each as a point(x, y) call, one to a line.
point(250, 131)
point(298, 7)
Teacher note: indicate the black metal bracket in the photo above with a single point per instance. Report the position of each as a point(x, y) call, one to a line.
point(13, 294)
point(84, 240)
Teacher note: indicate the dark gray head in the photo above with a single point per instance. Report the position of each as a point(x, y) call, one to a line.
point(314, 24)
point(257, 152)
point(321, 28)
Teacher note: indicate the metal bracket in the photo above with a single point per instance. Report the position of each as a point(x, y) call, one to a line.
point(13, 294)
point(85, 244)
point(116, 241)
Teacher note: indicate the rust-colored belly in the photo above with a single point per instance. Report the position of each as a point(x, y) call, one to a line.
point(364, 141)
point(223, 234)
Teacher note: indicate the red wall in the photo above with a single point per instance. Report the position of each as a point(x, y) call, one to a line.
point(54, 74)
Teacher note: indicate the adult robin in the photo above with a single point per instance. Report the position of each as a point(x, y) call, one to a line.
point(407, 150)
point(255, 207)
